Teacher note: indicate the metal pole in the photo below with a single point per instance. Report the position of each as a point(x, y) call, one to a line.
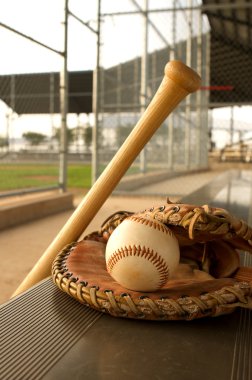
point(136, 84)
point(202, 7)
point(63, 106)
point(199, 141)
point(8, 116)
point(172, 116)
point(231, 125)
point(188, 100)
point(153, 72)
point(51, 104)
point(118, 96)
point(144, 75)
point(152, 24)
point(96, 95)
point(205, 99)
point(29, 38)
point(12, 106)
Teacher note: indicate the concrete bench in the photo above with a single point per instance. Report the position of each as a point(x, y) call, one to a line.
point(31, 208)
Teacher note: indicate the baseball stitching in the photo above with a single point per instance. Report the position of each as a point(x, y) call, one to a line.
point(151, 223)
point(149, 254)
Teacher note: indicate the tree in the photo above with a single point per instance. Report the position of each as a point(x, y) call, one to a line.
point(70, 135)
point(87, 136)
point(122, 132)
point(34, 138)
point(3, 142)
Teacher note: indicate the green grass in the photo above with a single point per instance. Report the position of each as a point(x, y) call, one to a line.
point(21, 176)
point(79, 176)
point(15, 176)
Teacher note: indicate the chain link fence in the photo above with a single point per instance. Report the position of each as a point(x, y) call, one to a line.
point(32, 60)
point(230, 104)
point(143, 37)
point(29, 94)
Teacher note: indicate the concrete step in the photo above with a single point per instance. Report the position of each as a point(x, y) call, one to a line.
point(21, 210)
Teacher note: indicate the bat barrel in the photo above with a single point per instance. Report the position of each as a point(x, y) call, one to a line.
point(183, 76)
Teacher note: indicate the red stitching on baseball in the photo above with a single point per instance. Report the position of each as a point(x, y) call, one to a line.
point(151, 223)
point(152, 256)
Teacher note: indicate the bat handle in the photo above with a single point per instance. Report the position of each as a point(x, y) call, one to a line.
point(179, 80)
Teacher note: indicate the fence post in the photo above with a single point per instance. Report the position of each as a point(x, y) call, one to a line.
point(96, 96)
point(144, 78)
point(64, 105)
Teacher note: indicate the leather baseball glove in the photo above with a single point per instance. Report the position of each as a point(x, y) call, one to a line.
point(209, 281)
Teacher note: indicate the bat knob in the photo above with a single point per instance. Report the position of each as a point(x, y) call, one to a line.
point(183, 75)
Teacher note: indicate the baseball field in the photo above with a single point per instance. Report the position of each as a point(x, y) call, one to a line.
point(20, 176)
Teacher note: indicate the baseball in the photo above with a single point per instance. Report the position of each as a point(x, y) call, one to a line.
point(141, 254)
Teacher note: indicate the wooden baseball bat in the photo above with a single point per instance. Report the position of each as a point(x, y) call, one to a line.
point(179, 80)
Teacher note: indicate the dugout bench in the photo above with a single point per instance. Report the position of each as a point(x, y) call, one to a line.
point(45, 334)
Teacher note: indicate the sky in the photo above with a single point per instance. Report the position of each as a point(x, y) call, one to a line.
point(42, 21)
